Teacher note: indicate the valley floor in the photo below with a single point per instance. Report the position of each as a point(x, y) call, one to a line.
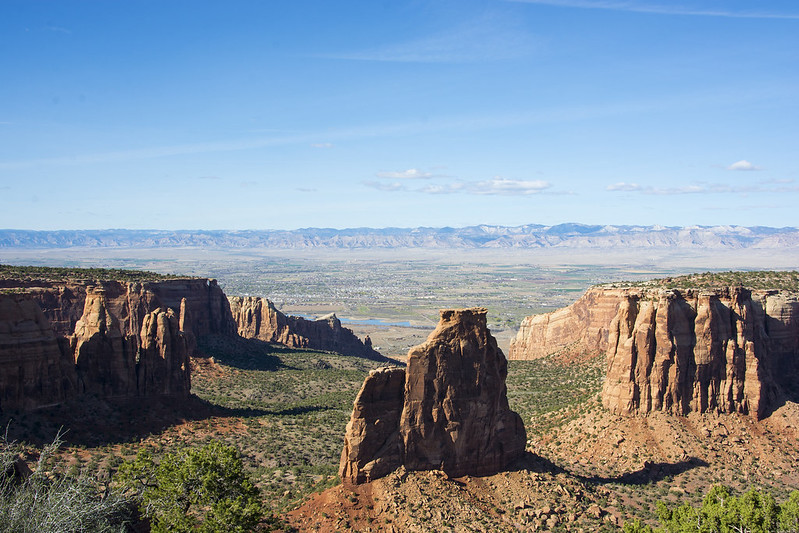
point(286, 411)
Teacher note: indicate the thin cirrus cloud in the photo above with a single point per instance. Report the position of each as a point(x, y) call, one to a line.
point(694, 8)
point(487, 39)
point(648, 189)
point(410, 174)
point(384, 186)
point(494, 186)
point(773, 186)
point(743, 164)
point(461, 123)
point(623, 186)
point(504, 186)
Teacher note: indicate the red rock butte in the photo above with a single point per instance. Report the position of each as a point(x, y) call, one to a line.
point(447, 411)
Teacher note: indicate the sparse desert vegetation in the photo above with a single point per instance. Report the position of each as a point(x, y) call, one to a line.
point(66, 273)
point(787, 280)
point(284, 411)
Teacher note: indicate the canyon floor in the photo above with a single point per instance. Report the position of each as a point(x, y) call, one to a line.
point(285, 410)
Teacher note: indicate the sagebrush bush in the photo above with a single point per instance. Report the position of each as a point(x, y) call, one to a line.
point(50, 501)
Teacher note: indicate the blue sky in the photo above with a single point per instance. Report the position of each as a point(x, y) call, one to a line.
point(288, 114)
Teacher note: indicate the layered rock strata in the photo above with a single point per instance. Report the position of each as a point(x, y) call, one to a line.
point(118, 339)
point(33, 369)
point(106, 339)
point(63, 302)
point(722, 350)
point(257, 318)
point(452, 413)
point(372, 443)
point(582, 326)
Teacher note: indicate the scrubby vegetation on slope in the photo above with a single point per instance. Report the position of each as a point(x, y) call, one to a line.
point(759, 280)
point(49, 499)
point(65, 274)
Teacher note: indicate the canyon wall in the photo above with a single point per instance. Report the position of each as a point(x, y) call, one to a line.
point(720, 350)
point(581, 328)
point(257, 318)
point(63, 302)
point(109, 339)
point(447, 411)
point(124, 339)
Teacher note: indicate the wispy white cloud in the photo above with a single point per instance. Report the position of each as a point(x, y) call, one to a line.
point(459, 123)
point(774, 186)
point(743, 164)
point(506, 186)
point(410, 174)
point(666, 191)
point(490, 38)
point(495, 186)
point(383, 186)
point(623, 186)
point(691, 9)
point(446, 188)
point(306, 189)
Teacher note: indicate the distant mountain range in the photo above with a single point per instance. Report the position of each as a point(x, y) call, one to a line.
point(485, 236)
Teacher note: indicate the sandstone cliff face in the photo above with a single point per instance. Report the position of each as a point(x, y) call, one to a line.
point(257, 318)
point(103, 338)
point(723, 350)
point(694, 351)
point(116, 339)
point(453, 410)
point(33, 370)
point(583, 326)
point(165, 348)
point(105, 356)
point(372, 444)
point(63, 303)
point(208, 307)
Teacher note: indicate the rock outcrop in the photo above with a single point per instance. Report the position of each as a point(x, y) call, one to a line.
point(372, 444)
point(453, 410)
point(108, 339)
point(63, 302)
point(722, 350)
point(164, 351)
point(126, 339)
point(581, 327)
point(33, 369)
point(257, 318)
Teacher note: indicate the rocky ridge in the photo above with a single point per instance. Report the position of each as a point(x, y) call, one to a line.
point(62, 338)
point(258, 318)
point(723, 350)
point(447, 411)
point(529, 236)
point(106, 339)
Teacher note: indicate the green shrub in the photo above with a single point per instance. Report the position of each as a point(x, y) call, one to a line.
point(752, 512)
point(194, 490)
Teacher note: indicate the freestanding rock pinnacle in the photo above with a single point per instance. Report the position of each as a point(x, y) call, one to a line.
point(454, 408)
